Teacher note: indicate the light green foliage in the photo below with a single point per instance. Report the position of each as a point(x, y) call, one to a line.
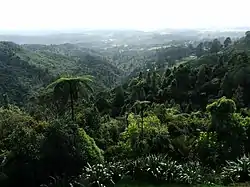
point(222, 106)
point(154, 134)
point(151, 123)
point(91, 152)
point(14, 120)
point(229, 127)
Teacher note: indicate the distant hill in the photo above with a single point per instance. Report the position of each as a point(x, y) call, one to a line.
point(239, 46)
point(24, 69)
point(18, 77)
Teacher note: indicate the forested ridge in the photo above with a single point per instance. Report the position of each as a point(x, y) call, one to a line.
point(26, 69)
point(75, 116)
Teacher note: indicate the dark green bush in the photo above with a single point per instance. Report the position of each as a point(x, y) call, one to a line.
point(157, 168)
point(34, 151)
point(236, 171)
point(67, 149)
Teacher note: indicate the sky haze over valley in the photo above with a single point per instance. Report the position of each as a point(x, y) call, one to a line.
point(57, 15)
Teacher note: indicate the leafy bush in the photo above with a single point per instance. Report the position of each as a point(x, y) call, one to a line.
point(109, 133)
point(35, 150)
point(237, 171)
point(154, 139)
point(89, 120)
point(153, 168)
point(192, 173)
point(101, 175)
point(91, 152)
point(20, 142)
point(67, 149)
point(11, 118)
point(157, 168)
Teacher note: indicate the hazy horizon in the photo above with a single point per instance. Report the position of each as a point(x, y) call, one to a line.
point(60, 15)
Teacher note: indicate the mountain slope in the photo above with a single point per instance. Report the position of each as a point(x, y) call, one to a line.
point(23, 70)
point(73, 59)
point(17, 76)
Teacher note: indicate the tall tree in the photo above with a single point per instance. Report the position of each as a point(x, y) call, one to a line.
point(141, 106)
point(216, 46)
point(200, 50)
point(247, 38)
point(227, 42)
point(6, 100)
point(70, 87)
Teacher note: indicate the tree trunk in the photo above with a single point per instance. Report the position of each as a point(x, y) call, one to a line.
point(126, 118)
point(142, 129)
point(71, 102)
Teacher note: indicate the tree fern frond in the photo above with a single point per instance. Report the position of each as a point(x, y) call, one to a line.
point(86, 85)
point(60, 80)
point(68, 87)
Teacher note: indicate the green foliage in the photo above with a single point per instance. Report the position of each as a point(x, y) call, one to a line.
point(154, 168)
point(109, 133)
point(89, 119)
point(102, 175)
point(14, 120)
point(35, 150)
point(191, 173)
point(222, 106)
point(69, 88)
point(237, 171)
point(91, 152)
point(27, 68)
point(227, 42)
point(196, 112)
point(216, 46)
point(154, 135)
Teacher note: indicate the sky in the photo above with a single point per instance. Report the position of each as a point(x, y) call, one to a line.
point(122, 14)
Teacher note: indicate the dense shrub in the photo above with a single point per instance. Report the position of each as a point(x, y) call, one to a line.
point(155, 169)
point(101, 175)
point(67, 149)
point(147, 137)
point(91, 152)
point(236, 171)
point(33, 151)
point(109, 133)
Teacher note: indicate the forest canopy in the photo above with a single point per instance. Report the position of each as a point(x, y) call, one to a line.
point(76, 116)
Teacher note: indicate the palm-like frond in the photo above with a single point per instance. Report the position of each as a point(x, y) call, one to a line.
point(86, 85)
point(83, 79)
point(140, 104)
point(70, 87)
